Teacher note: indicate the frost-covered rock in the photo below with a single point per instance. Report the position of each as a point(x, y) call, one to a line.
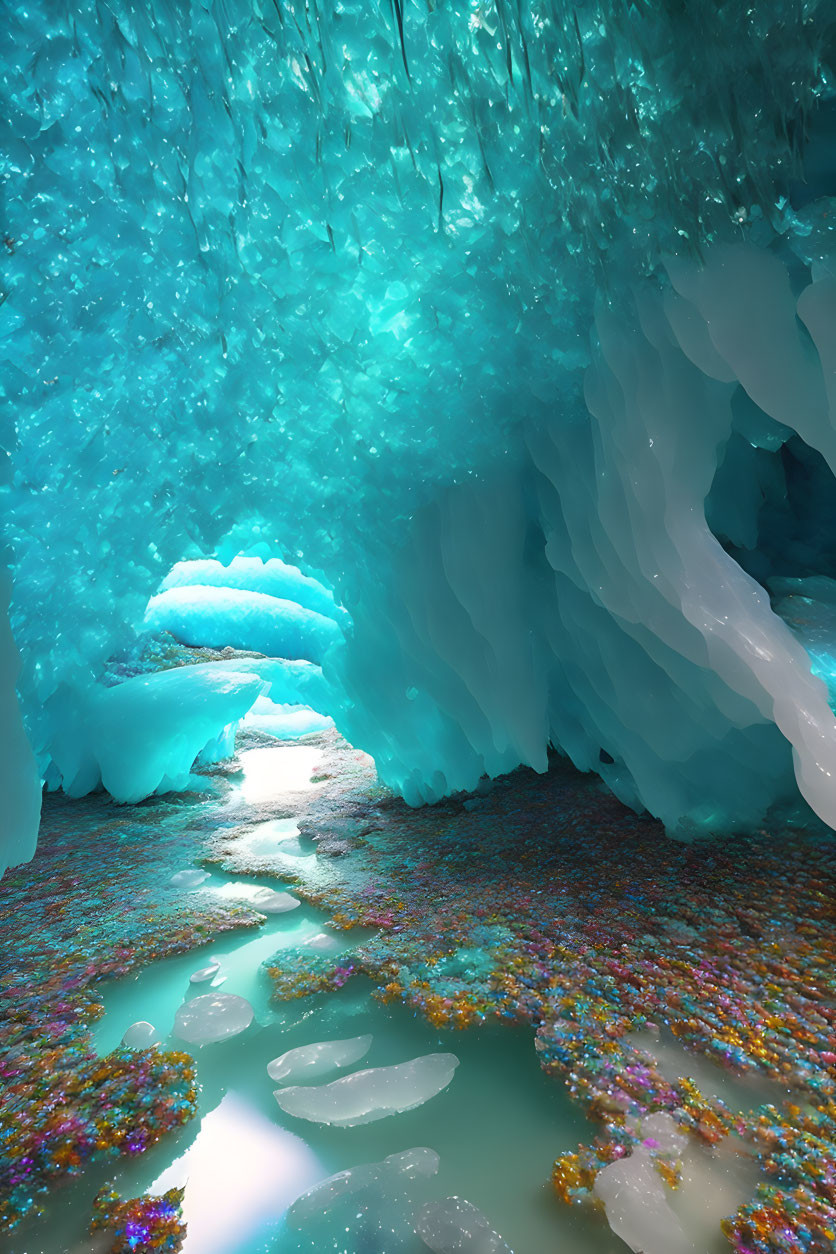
point(455, 1226)
point(372, 1094)
point(212, 1017)
point(308, 1062)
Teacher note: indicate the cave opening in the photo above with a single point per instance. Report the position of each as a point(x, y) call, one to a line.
point(772, 506)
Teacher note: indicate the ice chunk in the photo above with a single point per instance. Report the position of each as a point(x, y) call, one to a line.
point(366, 1208)
point(212, 1017)
point(204, 974)
point(142, 736)
point(191, 878)
point(245, 620)
point(454, 1226)
point(373, 1094)
point(140, 1035)
point(309, 1061)
point(268, 901)
point(637, 1209)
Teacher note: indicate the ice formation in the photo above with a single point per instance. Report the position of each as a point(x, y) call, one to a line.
point(212, 1017)
point(245, 620)
point(455, 1226)
point(498, 322)
point(375, 1093)
point(273, 578)
point(368, 1207)
point(308, 1062)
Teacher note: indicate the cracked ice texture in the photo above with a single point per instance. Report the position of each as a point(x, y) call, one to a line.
point(399, 314)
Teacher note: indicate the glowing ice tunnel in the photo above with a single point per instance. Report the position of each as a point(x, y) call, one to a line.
point(495, 314)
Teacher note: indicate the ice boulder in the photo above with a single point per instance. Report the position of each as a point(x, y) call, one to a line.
point(367, 1096)
point(308, 1062)
point(455, 1226)
point(143, 736)
point(368, 1207)
point(218, 617)
point(212, 1017)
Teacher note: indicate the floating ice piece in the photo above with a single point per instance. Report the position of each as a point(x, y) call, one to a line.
point(141, 1035)
point(205, 973)
point(212, 1017)
point(189, 879)
point(637, 1209)
point(394, 1175)
point(268, 901)
point(309, 1061)
point(373, 1094)
point(455, 1226)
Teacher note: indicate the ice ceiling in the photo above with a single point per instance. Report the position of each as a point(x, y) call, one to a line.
point(461, 306)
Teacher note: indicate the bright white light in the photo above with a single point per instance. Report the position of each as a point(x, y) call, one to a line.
point(240, 1175)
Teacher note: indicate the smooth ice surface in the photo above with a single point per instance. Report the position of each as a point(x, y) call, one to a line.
point(372, 1094)
point(218, 617)
point(456, 1226)
point(464, 312)
point(212, 1017)
point(308, 1062)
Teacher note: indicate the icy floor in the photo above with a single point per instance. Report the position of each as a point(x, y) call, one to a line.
point(496, 1127)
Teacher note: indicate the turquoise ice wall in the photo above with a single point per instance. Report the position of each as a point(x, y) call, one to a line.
point(324, 275)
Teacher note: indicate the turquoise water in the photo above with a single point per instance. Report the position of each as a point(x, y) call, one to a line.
point(497, 1128)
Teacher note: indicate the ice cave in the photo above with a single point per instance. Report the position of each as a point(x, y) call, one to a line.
point(418, 643)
